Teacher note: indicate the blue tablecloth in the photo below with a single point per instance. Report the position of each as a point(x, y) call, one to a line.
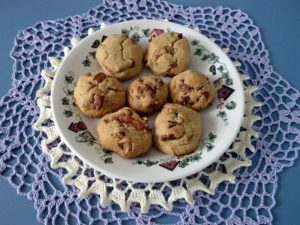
point(279, 22)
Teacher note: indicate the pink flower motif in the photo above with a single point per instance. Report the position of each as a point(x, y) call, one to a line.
point(224, 92)
point(171, 165)
point(75, 127)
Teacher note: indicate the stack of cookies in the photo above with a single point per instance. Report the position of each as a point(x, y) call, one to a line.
point(124, 128)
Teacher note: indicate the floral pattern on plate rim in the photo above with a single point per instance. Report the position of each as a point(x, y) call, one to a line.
point(171, 163)
point(78, 126)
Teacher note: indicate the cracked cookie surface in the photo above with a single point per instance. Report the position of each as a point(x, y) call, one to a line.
point(168, 54)
point(147, 94)
point(177, 130)
point(192, 89)
point(120, 56)
point(98, 94)
point(125, 133)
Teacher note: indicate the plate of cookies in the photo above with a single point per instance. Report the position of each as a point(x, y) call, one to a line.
point(147, 101)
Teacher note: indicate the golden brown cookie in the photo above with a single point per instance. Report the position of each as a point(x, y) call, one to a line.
point(168, 54)
point(125, 133)
point(120, 56)
point(192, 89)
point(147, 94)
point(98, 94)
point(177, 130)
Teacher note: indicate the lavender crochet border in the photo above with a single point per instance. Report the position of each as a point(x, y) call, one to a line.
point(249, 201)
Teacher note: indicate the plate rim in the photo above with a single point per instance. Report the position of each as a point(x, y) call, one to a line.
point(106, 172)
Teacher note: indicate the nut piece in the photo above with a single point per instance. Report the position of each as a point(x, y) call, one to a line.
point(125, 145)
point(98, 101)
point(168, 137)
point(130, 121)
point(100, 77)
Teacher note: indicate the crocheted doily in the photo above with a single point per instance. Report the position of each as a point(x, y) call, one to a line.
point(124, 193)
point(26, 167)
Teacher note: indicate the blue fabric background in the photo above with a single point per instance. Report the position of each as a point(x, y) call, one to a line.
point(278, 21)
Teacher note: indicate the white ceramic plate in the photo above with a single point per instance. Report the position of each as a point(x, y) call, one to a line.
point(221, 121)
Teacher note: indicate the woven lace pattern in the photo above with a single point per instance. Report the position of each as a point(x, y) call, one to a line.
point(249, 201)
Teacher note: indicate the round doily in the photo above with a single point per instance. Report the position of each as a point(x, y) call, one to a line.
point(90, 181)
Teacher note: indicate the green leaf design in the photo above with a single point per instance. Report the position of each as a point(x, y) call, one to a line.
point(147, 163)
point(106, 157)
point(225, 75)
point(198, 52)
point(69, 92)
point(69, 79)
point(146, 32)
point(108, 160)
point(207, 142)
point(92, 54)
point(209, 146)
point(223, 116)
point(107, 152)
point(136, 37)
point(86, 62)
point(187, 160)
point(205, 57)
point(68, 113)
point(86, 137)
point(150, 163)
point(183, 163)
point(212, 137)
point(230, 105)
point(220, 68)
point(229, 81)
point(195, 42)
point(90, 142)
point(213, 58)
point(125, 31)
point(65, 101)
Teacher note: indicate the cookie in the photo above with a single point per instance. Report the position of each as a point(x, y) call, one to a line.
point(192, 89)
point(98, 94)
point(168, 54)
point(120, 56)
point(147, 94)
point(177, 130)
point(125, 133)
